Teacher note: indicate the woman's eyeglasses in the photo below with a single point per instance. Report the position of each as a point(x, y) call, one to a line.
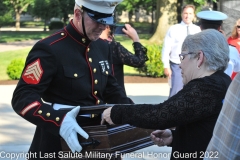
point(182, 55)
point(238, 26)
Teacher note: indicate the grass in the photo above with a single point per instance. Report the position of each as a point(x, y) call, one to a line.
point(13, 36)
point(8, 56)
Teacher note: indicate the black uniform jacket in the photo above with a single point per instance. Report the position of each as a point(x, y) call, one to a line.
point(65, 68)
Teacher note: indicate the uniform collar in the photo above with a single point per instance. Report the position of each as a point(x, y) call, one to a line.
point(76, 35)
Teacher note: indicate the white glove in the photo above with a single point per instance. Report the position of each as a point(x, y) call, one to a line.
point(69, 129)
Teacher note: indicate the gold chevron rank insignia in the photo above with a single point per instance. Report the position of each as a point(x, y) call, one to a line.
point(33, 73)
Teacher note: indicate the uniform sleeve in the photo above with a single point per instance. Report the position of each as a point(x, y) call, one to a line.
point(37, 75)
point(127, 58)
point(195, 102)
point(166, 49)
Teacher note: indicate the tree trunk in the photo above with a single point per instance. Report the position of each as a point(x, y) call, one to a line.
point(45, 25)
point(166, 15)
point(17, 23)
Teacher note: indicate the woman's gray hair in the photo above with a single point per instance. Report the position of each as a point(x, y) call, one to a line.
point(214, 46)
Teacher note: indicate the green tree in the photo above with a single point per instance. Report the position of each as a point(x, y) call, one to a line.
point(132, 6)
point(67, 7)
point(18, 7)
point(46, 9)
point(169, 13)
point(5, 15)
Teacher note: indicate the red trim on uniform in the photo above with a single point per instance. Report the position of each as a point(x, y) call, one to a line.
point(29, 107)
point(74, 38)
point(71, 22)
point(65, 35)
point(47, 120)
point(43, 118)
point(33, 72)
point(51, 35)
point(89, 66)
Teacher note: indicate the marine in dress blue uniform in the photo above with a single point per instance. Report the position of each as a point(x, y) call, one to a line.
point(65, 68)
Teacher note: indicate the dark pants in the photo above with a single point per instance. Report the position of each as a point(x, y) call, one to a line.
point(176, 79)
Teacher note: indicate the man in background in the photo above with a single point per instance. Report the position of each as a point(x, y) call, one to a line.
point(213, 20)
point(172, 47)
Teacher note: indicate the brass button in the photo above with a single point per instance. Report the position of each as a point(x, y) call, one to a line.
point(106, 72)
point(95, 92)
point(83, 40)
point(57, 119)
point(40, 112)
point(48, 114)
point(96, 81)
point(75, 74)
point(88, 49)
point(90, 59)
point(94, 70)
point(98, 101)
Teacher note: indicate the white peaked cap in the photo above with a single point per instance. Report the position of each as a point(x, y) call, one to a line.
point(101, 6)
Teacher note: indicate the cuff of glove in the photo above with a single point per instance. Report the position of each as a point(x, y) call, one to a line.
point(57, 106)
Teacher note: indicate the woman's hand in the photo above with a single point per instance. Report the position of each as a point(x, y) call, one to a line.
point(131, 33)
point(106, 116)
point(162, 137)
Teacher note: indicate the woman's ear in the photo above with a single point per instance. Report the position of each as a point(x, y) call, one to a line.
point(200, 58)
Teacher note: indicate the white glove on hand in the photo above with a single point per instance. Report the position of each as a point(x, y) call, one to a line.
point(69, 129)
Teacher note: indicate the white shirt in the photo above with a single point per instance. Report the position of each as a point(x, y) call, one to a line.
point(173, 41)
point(234, 61)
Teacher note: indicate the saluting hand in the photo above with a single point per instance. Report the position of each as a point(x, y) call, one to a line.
point(131, 33)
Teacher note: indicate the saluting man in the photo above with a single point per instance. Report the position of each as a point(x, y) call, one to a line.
point(68, 70)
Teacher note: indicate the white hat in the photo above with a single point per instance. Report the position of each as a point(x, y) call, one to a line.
point(99, 10)
point(212, 15)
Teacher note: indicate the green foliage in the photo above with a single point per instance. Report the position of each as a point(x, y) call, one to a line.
point(14, 69)
point(154, 66)
point(66, 9)
point(130, 5)
point(46, 9)
point(6, 19)
point(55, 25)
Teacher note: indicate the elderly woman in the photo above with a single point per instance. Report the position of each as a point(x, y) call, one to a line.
point(194, 109)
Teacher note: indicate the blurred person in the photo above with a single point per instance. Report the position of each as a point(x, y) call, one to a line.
point(225, 142)
point(234, 40)
point(172, 47)
point(194, 109)
point(214, 20)
point(68, 69)
point(121, 56)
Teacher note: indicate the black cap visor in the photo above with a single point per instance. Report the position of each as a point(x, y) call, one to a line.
point(102, 18)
